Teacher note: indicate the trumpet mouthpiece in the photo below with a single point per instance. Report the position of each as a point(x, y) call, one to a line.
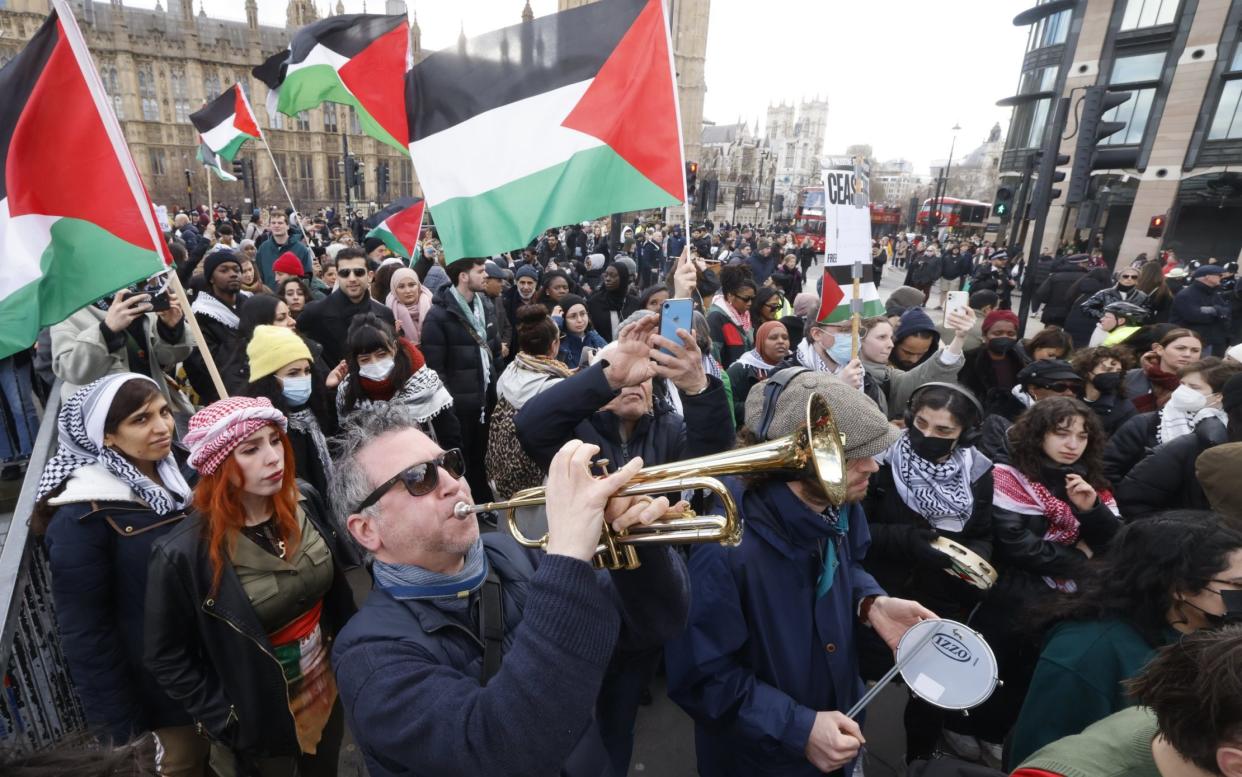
point(462, 511)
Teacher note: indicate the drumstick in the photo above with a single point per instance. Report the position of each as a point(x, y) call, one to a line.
point(871, 693)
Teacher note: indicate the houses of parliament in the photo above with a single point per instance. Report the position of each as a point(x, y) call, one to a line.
point(160, 65)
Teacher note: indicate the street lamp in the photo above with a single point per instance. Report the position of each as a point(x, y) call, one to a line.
point(942, 184)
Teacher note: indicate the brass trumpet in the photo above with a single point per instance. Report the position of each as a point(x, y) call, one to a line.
point(816, 449)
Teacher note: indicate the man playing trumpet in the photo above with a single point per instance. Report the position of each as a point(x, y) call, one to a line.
point(419, 667)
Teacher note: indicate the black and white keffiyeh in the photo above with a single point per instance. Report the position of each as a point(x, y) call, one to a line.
point(209, 306)
point(81, 433)
point(424, 393)
point(938, 491)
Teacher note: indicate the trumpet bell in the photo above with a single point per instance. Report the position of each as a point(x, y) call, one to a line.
point(825, 447)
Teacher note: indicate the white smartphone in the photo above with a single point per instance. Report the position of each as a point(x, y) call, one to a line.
point(957, 300)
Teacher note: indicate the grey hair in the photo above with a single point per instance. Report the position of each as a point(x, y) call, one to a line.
point(350, 483)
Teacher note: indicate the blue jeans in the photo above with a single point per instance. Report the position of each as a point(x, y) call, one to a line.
point(20, 420)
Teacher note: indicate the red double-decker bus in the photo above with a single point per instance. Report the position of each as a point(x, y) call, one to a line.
point(960, 216)
point(809, 217)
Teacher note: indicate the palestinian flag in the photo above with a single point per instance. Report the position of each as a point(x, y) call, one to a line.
point(565, 118)
point(837, 294)
point(399, 225)
point(75, 220)
point(212, 161)
point(226, 122)
point(353, 59)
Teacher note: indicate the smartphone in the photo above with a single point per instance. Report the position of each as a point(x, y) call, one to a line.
point(676, 314)
point(157, 289)
point(956, 300)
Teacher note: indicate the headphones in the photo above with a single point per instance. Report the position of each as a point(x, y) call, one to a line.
point(971, 431)
point(773, 387)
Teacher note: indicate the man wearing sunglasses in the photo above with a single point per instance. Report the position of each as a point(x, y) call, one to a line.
point(419, 667)
point(327, 321)
point(1125, 290)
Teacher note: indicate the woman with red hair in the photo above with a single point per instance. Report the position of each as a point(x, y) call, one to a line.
point(243, 599)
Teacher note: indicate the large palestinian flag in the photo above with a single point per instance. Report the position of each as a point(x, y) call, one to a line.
point(353, 59)
point(837, 294)
point(75, 221)
point(399, 225)
point(568, 117)
point(226, 122)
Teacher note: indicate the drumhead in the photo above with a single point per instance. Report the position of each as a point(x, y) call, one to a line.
point(949, 664)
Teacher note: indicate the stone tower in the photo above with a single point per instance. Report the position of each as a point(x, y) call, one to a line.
point(300, 13)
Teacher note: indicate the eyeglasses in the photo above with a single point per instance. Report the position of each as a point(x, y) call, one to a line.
point(1129, 276)
point(420, 479)
point(773, 308)
point(1061, 387)
point(747, 300)
point(357, 272)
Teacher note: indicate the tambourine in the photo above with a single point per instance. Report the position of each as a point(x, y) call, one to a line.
point(943, 662)
point(967, 565)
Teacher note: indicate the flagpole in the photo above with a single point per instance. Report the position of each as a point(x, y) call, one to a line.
point(270, 155)
point(856, 309)
point(103, 106)
point(681, 141)
point(211, 202)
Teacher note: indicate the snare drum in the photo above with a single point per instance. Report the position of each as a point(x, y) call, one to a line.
point(947, 664)
point(967, 565)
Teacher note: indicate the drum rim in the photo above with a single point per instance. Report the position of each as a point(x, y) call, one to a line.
point(987, 694)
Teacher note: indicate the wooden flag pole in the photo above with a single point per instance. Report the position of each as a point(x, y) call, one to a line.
point(855, 309)
point(184, 301)
point(211, 202)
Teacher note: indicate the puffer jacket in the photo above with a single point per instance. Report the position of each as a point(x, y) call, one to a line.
point(571, 410)
point(1054, 292)
point(1130, 444)
point(1206, 311)
point(1078, 322)
point(193, 634)
point(98, 543)
point(452, 350)
point(1166, 479)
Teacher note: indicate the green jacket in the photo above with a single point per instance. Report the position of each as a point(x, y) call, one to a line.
point(1118, 746)
point(1078, 681)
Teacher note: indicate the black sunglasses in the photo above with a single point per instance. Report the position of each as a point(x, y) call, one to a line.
point(1061, 387)
point(357, 272)
point(420, 478)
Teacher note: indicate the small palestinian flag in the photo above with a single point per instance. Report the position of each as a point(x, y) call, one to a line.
point(553, 121)
point(353, 59)
point(226, 122)
point(399, 225)
point(76, 223)
point(212, 161)
point(837, 294)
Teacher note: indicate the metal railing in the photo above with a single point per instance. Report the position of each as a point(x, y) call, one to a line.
point(38, 704)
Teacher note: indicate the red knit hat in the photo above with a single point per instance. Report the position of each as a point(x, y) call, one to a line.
point(289, 264)
point(996, 316)
point(221, 426)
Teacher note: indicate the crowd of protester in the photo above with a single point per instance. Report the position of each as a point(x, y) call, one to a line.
point(257, 540)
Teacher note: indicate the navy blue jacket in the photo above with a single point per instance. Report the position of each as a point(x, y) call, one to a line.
point(761, 655)
point(1204, 310)
point(761, 267)
point(98, 551)
point(571, 410)
point(410, 674)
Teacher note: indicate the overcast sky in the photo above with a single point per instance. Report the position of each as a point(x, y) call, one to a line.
point(873, 60)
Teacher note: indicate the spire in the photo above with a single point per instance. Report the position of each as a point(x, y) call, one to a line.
point(252, 14)
point(416, 34)
point(340, 7)
point(202, 10)
point(461, 38)
point(158, 6)
point(528, 15)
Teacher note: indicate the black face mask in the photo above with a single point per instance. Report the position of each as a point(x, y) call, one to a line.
point(1052, 475)
point(930, 448)
point(1232, 613)
point(1000, 345)
point(1106, 382)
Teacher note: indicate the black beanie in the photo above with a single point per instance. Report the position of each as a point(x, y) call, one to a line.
point(217, 258)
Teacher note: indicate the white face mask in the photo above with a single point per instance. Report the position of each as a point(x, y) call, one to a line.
point(1187, 399)
point(377, 371)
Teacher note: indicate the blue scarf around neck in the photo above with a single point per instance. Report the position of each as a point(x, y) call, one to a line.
point(407, 582)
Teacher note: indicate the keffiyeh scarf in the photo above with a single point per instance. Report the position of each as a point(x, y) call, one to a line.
point(477, 320)
point(938, 491)
point(424, 394)
point(741, 319)
point(304, 421)
point(81, 433)
point(1175, 422)
point(209, 306)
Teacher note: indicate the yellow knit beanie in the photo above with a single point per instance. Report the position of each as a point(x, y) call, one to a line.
point(271, 348)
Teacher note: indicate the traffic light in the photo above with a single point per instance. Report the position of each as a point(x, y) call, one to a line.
point(1091, 130)
point(382, 178)
point(353, 173)
point(692, 177)
point(239, 169)
point(1155, 228)
point(1003, 203)
point(1048, 175)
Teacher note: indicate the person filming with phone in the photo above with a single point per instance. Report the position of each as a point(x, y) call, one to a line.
point(142, 331)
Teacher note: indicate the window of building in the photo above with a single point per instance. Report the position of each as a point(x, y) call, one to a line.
point(180, 93)
point(278, 120)
point(1029, 119)
point(1149, 13)
point(112, 85)
point(329, 118)
point(303, 121)
point(212, 84)
point(158, 163)
point(1227, 120)
point(1050, 30)
point(335, 192)
point(354, 127)
point(1139, 75)
point(146, 93)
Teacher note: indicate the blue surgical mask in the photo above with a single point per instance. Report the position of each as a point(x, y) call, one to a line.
point(839, 351)
point(297, 391)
